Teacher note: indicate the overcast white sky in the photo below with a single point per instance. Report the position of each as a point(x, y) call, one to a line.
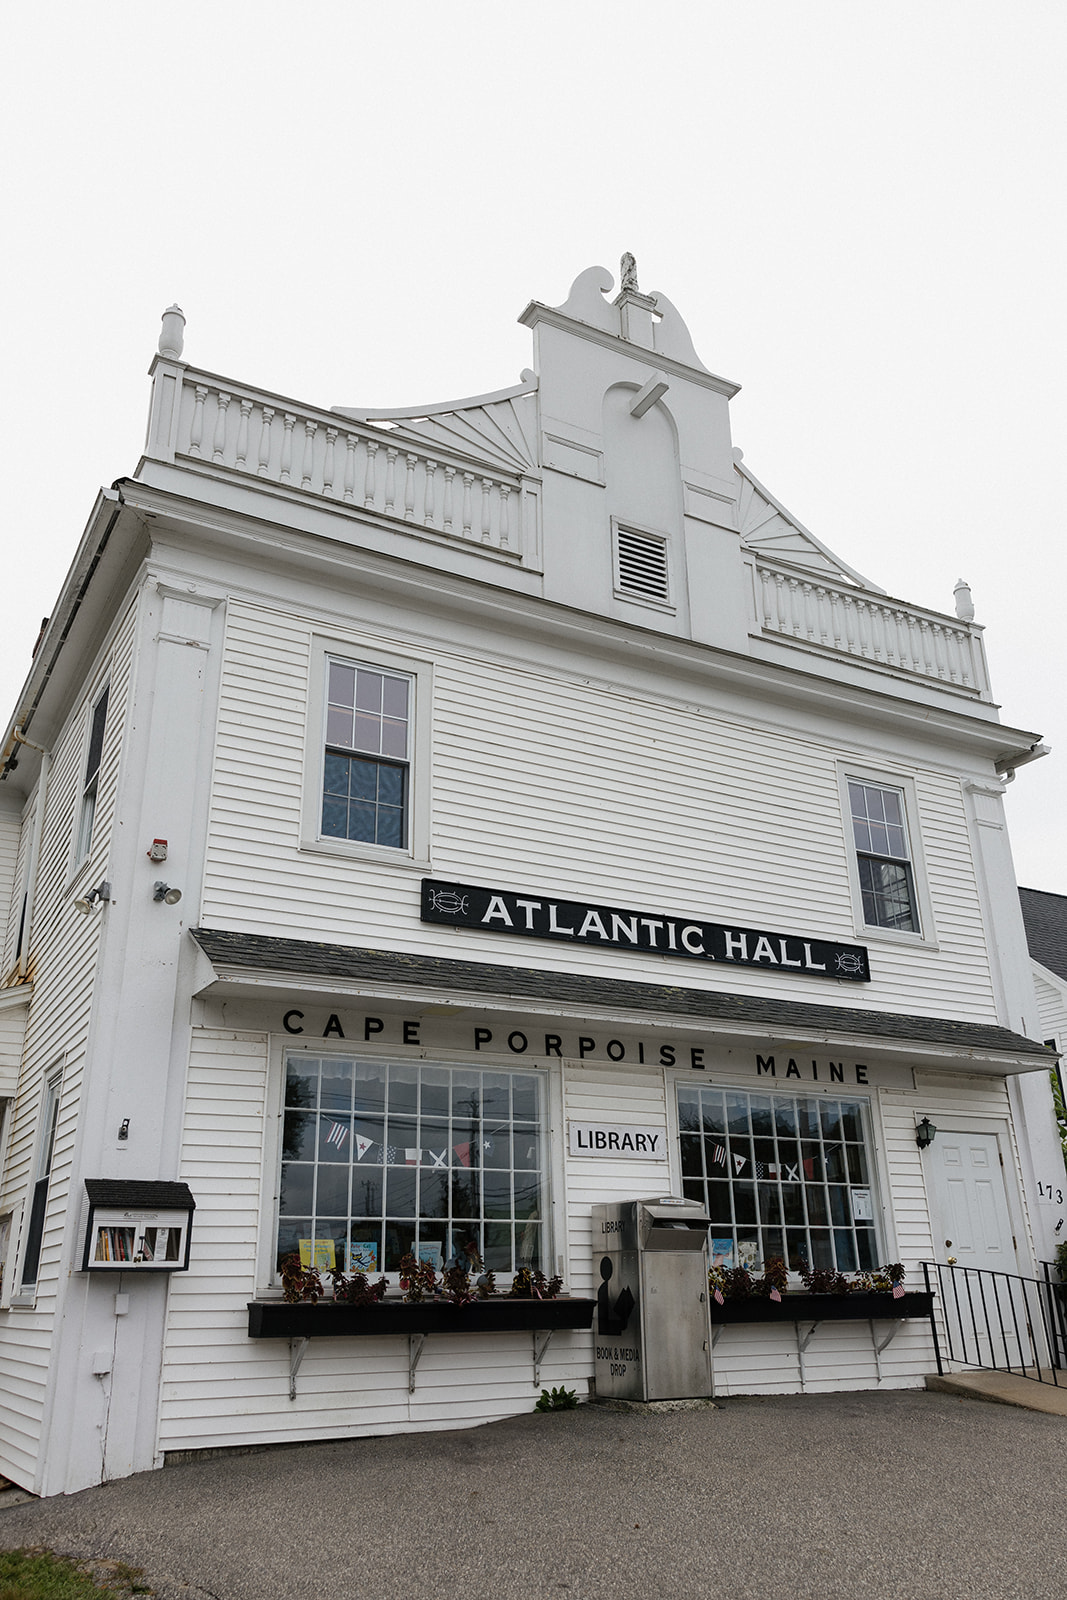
point(858, 209)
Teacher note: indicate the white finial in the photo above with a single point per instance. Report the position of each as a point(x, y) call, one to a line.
point(964, 603)
point(171, 334)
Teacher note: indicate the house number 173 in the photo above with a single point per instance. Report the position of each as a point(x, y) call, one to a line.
point(1048, 1191)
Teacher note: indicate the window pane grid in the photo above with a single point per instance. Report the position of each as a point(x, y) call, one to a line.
point(410, 1158)
point(886, 885)
point(788, 1190)
point(365, 774)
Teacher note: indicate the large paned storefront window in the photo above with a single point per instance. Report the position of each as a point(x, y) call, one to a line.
point(382, 1158)
point(780, 1175)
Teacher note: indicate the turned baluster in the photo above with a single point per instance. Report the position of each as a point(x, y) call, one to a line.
point(308, 468)
point(450, 473)
point(196, 433)
point(487, 484)
point(264, 442)
point(505, 499)
point(468, 482)
point(242, 433)
point(391, 453)
point(218, 452)
point(350, 468)
point(427, 504)
point(409, 488)
point(287, 445)
point(328, 461)
point(369, 486)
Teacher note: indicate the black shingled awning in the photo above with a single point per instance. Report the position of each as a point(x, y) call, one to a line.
point(782, 1018)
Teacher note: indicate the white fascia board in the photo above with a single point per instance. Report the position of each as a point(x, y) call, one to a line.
point(438, 409)
point(423, 585)
point(1050, 977)
point(104, 522)
point(536, 312)
point(242, 983)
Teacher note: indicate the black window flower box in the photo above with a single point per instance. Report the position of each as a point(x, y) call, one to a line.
point(275, 1319)
point(878, 1306)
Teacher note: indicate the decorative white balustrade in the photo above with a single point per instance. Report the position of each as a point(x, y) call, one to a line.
point(871, 627)
point(345, 462)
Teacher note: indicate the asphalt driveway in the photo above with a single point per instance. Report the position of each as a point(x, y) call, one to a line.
point(885, 1496)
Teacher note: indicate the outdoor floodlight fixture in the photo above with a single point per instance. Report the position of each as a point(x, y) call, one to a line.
point(101, 893)
point(924, 1133)
point(164, 892)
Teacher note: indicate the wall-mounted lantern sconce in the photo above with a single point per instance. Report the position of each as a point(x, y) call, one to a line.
point(164, 892)
point(924, 1133)
point(101, 893)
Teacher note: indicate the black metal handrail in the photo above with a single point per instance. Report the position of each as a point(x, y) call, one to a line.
point(999, 1321)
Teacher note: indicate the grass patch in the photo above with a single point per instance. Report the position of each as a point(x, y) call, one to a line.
point(39, 1575)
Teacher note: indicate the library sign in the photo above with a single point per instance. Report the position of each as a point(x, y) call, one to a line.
point(465, 905)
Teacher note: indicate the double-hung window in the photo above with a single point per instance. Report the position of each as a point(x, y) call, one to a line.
point(381, 1158)
point(780, 1175)
point(91, 781)
point(883, 856)
point(31, 1258)
point(366, 789)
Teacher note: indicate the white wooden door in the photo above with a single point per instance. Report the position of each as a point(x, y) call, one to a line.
point(968, 1202)
point(986, 1318)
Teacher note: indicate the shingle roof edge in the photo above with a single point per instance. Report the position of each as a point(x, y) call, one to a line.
point(267, 953)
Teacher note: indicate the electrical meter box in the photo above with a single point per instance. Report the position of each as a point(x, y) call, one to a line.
point(650, 1271)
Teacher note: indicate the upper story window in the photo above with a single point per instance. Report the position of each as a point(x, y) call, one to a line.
point(91, 780)
point(883, 855)
point(39, 1199)
point(366, 790)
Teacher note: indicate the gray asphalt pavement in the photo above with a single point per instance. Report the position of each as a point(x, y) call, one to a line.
point(885, 1496)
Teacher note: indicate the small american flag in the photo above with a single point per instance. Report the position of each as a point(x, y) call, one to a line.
point(776, 1297)
point(337, 1135)
point(898, 1291)
point(718, 1298)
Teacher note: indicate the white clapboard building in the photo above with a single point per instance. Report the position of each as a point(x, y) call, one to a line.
point(420, 827)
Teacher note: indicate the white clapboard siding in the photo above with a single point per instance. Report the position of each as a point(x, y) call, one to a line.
point(605, 1094)
point(220, 1387)
point(727, 821)
point(1051, 1008)
point(63, 956)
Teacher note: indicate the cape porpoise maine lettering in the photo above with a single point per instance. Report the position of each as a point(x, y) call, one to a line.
point(464, 905)
point(751, 990)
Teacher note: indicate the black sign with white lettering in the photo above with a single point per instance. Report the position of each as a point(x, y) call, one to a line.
point(463, 905)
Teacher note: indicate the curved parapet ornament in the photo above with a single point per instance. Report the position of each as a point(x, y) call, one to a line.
point(672, 336)
point(586, 302)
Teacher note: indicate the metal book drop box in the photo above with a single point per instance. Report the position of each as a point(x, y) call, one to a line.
point(650, 1270)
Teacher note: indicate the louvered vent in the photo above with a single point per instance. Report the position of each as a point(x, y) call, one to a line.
point(642, 565)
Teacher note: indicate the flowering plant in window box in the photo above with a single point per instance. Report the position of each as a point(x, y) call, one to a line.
point(736, 1296)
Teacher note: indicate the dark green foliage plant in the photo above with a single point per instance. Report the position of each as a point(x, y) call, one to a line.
point(1061, 1112)
point(556, 1400)
point(1061, 1260)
